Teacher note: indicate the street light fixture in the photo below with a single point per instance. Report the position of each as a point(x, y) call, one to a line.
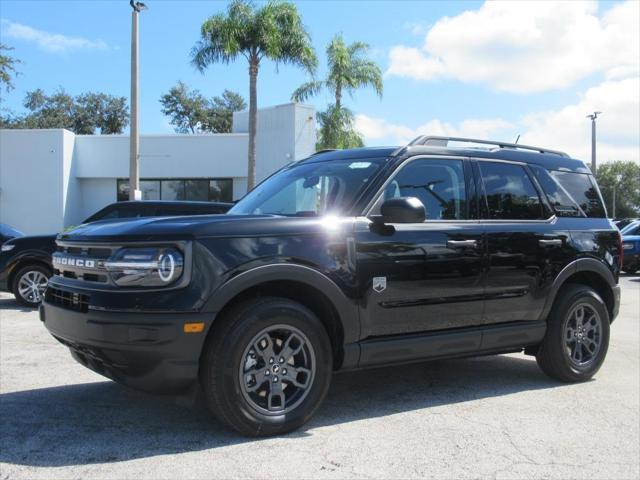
point(593, 117)
point(134, 137)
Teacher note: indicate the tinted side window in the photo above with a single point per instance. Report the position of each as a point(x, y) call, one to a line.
point(560, 200)
point(510, 192)
point(438, 184)
point(582, 190)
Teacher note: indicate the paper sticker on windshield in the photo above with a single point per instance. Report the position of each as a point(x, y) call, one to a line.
point(360, 165)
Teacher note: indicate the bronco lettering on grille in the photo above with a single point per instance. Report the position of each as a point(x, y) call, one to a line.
point(74, 262)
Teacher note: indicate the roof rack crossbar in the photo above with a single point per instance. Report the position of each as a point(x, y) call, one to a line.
point(434, 141)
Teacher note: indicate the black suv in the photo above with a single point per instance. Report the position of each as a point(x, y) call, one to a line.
point(25, 261)
point(347, 259)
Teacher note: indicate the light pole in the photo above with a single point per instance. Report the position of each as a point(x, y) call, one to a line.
point(617, 180)
point(134, 137)
point(593, 117)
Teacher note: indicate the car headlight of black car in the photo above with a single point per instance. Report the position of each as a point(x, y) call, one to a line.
point(145, 267)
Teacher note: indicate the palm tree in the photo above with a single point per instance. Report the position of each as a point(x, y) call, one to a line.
point(349, 69)
point(274, 31)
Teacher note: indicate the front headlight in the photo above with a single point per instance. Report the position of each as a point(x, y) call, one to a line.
point(145, 267)
point(7, 248)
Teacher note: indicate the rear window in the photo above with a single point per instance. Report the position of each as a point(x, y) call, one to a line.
point(559, 198)
point(583, 191)
point(510, 192)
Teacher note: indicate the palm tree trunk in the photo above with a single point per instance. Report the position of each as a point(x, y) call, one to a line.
point(253, 122)
point(338, 97)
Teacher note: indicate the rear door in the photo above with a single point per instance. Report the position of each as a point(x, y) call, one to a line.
point(527, 245)
point(424, 276)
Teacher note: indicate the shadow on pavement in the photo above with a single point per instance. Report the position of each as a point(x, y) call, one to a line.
point(11, 304)
point(105, 422)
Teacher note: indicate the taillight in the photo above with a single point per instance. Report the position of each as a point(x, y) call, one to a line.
point(620, 250)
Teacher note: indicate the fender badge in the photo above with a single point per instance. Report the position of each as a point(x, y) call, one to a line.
point(379, 283)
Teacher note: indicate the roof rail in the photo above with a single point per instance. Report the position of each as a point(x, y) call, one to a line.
point(324, 150)
point(432, 141)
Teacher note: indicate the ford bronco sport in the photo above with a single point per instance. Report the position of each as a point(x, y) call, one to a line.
point(446, 247)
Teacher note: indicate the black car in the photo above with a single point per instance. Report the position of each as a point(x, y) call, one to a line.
point(347, 259)
point(25, 262)
point(7, 233)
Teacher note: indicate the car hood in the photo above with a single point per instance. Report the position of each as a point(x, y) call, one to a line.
point(31, 240)
point(198, 226)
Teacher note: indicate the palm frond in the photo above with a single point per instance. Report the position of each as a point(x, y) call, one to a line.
point(306, 90)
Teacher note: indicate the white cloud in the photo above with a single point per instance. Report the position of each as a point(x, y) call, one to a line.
point(526, 46)
point(566, 129)
point(49, 42)
point(378, 130)
point(618, 128)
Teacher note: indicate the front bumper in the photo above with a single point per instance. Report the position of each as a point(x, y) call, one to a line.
point(146, 351)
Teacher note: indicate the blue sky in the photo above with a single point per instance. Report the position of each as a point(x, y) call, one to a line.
point(450, 67)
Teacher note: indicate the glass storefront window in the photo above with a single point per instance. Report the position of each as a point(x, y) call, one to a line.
point(172, 190)
point(196, 189)
point(221, 190)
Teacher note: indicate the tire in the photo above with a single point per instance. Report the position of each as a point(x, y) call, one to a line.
point(236, 359)
point(631, 271)
point(561, 356)
point(25, 282)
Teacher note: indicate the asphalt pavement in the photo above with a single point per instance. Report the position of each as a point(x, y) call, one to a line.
point(488, 417)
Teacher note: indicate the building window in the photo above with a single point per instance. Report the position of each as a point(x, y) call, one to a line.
point(202, 189)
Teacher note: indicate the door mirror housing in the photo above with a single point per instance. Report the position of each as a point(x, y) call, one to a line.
point(402, 210)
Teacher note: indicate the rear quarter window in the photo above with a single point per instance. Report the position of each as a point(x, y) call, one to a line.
point(582, 189)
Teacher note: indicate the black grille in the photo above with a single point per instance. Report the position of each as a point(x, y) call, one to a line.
point(94, 252)
point(69, 300)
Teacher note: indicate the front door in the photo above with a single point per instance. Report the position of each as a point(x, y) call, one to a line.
point(426, 276)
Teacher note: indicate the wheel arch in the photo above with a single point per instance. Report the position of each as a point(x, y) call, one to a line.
point(22, 262)
point(585, 271)
point(301, 284)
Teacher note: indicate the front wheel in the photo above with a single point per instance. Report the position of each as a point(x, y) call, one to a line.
point(29, 285)
point(577, 337)
point(266, 367)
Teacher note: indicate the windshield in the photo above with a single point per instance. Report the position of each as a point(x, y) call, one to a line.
point(310, 189)
point(630, 227)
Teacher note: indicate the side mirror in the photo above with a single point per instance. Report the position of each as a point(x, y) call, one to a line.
point(403, 210)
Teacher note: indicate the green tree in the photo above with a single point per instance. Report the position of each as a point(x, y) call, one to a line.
point(192, 112)
point(336, 129)
point(7, 68)
point(220, 113)
point(624, 176)
point(273, 31)
point(83, 114)
point(186, 108)
point(349, 70)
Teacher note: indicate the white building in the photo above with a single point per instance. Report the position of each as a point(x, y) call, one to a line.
point(51, 179)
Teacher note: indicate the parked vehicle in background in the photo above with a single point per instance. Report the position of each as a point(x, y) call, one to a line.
point(347, 259)
point(25, 261)
point(7, 233)
point(622, 223)
point(631, 247)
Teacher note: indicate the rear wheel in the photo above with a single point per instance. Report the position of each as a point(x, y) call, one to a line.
point(30, 283)
point(267, 367)
point(631, 271)
point(577, 337)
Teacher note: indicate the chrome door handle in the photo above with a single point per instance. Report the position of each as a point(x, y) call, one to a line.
point(462, 243)
point(550, 243)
